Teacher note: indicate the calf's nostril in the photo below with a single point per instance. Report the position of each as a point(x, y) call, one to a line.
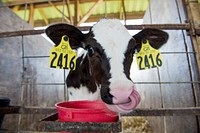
point(106, 96)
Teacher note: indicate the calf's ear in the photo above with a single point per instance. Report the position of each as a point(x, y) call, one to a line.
point(56, 31)
point(155, 37)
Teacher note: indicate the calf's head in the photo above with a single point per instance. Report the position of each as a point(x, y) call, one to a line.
point(110, 50)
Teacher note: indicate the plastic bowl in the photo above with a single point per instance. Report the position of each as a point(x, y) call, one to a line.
point(85, 111)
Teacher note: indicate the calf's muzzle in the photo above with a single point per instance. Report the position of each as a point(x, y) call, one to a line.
point(121, 99)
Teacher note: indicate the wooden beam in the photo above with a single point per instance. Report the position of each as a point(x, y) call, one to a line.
point(129, 15)
point(10, 110)
point(43, 16)
point(44, 3)
point(136, 112)
point(124, 10)
point(79, 127)
point(165, 112)
point(194, 16)
point(193, 12)
point(26, 110)
point(121, 11)
point(69, 19)
point(87, 15)
point(65, 17)
point(19, 33)
point(95, 18)
point(15, 8)
point(69, 11)
point(76, 10)
point(79, 11)
point(23, 2)
point(31, 15)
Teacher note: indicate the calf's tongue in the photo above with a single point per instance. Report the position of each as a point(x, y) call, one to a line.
point(127, 105)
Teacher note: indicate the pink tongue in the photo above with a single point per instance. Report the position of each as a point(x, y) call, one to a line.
point(126, 105)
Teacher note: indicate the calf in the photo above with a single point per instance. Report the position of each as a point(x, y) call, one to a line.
point(104, 68)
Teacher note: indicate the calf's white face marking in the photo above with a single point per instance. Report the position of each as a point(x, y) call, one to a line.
point(114, 39)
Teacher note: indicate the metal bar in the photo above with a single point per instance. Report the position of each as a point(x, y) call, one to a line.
point(86, 28)
point(36, 56)
point(160, 26)
point(25, 83)
point(9, 131)
point(165, 112)
point(47, 56)
point(20, 33)
point(178, 82)
point(10, 110)
point(77, 127)
point(26, 110)
point(37, 110)
point(164, 53)
point(135, 112)
point(179, 53)
point(143, 82)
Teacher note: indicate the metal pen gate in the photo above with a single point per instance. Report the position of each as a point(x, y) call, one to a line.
point(49, 124)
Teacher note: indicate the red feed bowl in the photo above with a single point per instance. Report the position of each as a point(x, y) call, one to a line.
point(85, 111)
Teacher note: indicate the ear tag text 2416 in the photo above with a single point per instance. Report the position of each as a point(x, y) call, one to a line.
point(148, 57)
point(62, 56)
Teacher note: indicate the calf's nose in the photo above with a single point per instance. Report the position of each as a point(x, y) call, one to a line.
point(122, 98)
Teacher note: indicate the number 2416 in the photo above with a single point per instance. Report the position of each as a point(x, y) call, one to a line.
point(149, 61)
point(62, 61)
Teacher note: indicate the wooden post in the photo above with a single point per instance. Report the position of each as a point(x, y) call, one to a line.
point(31, 15)
point(44, 16)
point(15, 8)
point(123, 13)
point(193, 13)
point(76, 10)
point(194, 17)
point(69, 11)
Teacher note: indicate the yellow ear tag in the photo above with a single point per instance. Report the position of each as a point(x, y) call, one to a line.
point(62, 56)
point(148, 57)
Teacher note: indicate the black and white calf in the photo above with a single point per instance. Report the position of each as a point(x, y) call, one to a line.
point(104, 71)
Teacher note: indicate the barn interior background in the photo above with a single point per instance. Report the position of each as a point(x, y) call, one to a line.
point(29, 83)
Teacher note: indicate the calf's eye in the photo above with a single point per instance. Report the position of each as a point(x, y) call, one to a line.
point(90, 50)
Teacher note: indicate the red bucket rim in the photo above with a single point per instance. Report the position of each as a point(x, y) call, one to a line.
point(103, 108)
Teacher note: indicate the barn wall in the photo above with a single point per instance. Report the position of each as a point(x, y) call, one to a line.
point(25, 76)
point(175, 68)
point(28, 81)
